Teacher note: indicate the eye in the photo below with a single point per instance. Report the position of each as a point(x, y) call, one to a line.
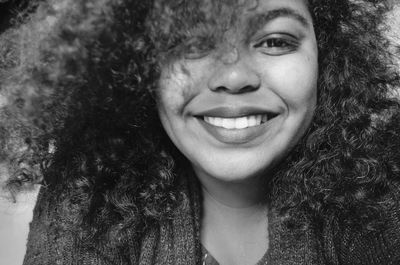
point(197, 48)
point(194, 52)
point(276, 45)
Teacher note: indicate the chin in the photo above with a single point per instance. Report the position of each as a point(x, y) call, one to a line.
point(236, 171)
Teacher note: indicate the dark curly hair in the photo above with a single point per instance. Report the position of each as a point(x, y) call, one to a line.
point(79, 113)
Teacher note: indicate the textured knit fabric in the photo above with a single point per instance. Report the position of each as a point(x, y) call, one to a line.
point(176, 241)
point(208, 259)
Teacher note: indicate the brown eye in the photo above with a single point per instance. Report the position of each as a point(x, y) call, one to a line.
point(277, 45)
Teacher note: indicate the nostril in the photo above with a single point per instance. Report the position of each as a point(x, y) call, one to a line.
point(244, 89)
point(247, 89)
point(234, 79)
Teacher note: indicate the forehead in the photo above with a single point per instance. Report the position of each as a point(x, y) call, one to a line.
point(222, 10)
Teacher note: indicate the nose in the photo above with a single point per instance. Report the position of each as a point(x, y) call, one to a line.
point(234, 77)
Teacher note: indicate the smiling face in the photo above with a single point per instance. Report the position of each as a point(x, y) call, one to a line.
point(237, 108)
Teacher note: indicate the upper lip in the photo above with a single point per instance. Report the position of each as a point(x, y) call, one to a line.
point(234, 111)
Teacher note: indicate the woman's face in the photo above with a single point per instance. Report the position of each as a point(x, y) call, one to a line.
point(237, 110)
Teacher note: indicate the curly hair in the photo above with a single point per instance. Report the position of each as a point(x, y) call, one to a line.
point(80, 112)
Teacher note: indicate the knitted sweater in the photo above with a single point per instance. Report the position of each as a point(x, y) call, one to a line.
point(176, 241)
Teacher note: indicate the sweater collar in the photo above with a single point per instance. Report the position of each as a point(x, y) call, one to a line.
point(176, 241)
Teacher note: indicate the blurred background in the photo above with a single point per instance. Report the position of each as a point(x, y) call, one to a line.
point(14, 215)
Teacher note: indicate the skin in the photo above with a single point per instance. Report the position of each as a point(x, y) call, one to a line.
point(273, 67)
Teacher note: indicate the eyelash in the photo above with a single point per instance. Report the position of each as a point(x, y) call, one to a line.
point(277, 45)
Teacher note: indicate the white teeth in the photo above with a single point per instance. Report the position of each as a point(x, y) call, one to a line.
point(218, 122)
point(259, 118)
point(252, 120)
point(228, 123)
point(241, 123)
point(237, 123)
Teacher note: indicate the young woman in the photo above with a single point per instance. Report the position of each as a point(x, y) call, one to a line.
point(208, 132)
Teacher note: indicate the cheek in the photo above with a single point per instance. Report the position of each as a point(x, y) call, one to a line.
point(174, 90)
point(178, 84)
point(298, 83)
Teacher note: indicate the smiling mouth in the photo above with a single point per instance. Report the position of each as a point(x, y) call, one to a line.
point(237, 123)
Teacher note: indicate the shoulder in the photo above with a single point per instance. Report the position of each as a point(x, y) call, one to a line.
point(55, 236)
point(360, 245)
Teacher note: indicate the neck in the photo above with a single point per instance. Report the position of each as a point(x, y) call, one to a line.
point(245, 194)
point(234, 225)
point(245, 213)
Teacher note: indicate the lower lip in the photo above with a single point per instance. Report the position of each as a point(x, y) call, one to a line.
point(235, 136)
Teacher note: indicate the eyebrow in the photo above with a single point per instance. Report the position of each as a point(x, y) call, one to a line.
point(259, 20)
